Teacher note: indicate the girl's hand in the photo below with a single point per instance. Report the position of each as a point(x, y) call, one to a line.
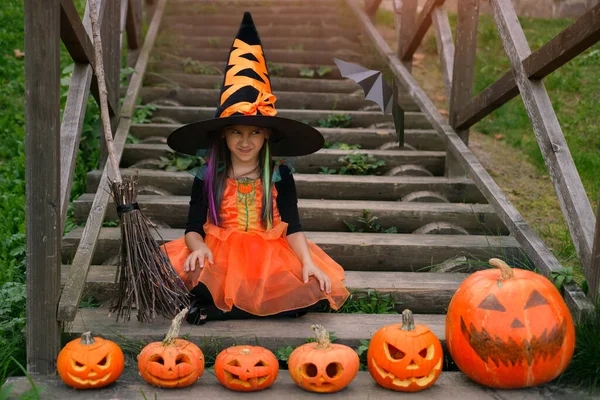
point(310, 269)
point(197, 257)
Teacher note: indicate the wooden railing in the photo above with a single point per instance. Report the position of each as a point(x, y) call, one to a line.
point(525, 77)
point(51, 147)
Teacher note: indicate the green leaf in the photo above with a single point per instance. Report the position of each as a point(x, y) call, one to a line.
point(183, 163)
point(558, 282)
point(323, 70)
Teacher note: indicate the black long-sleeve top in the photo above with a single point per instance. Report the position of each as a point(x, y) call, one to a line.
point(287, 204)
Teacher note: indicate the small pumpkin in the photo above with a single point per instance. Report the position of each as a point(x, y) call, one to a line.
point(245, 187)
point(509, 328)
point(246, 368)
point(322, 366)
point(173, 362)
point(405, 357)
point(90, 362)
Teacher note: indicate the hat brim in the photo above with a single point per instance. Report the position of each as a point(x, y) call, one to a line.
point(290, 137)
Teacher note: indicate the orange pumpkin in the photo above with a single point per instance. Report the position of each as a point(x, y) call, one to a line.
point(90, 362)
point(173, 362)
point(245, 187)
point(246, 368)
point(509, 328)
point(405, 357)
point(322, 366)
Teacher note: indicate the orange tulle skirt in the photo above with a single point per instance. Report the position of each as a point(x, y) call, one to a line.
point(257, 271)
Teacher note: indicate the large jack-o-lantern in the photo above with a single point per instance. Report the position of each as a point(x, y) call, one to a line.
point(509, 328)
point(323, 367)
point(405, 357)
point(246, 368)
point(90, 362)
point(173, 362)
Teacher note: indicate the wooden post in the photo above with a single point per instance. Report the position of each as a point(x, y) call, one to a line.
point(407, 27)
point(594, 276)
point(42, 182)
point(371, 7)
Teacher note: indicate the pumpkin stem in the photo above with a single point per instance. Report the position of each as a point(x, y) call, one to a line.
point(175, 326)
point(87, 338)
point(322, 336)
point(245, 351)
point(408, 321)
point(506, 272)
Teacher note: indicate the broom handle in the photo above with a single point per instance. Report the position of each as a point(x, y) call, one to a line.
point(102, 91)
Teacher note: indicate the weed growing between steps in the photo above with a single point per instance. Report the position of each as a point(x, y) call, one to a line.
point(321, 72)
point(336, 121)
point(341, 146)
point(355, 164)
point(175, 162)
point(143, 114)
point(368, 224)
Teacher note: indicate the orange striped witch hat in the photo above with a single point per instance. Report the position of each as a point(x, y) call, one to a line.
point(247, 99)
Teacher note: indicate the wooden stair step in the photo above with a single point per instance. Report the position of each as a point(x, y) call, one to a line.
point(131, 386)
point(259, 3)
point(354, 251)
point(319, 186)
point(265, 31)
point(218, 42)
point(263, 18)
point(367, 138)
point(328, 215)
point(258, 11)
point(271, 333)
point(274, 56)
point(303, 99)
point(421, 292)
point(185, 115)
point(164, 64)
point(433, 161)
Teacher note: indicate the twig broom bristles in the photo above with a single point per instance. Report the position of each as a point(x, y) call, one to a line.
point(145, 278)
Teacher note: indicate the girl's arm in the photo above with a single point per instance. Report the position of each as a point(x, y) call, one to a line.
point(298, 243)
point(194, 229)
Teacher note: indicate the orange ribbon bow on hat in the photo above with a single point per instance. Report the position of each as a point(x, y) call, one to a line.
point(264, 103)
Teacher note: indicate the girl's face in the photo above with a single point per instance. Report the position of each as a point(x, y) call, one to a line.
point(245, 141)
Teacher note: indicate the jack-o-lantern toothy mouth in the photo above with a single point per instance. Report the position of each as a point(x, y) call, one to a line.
point(89, 381)
point(235, 380)
point(510, 352)
point(170, 382)
point(419, 380)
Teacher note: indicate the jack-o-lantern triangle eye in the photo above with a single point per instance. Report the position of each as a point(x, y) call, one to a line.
point(234, 363)
point(491, 303)
point(260, 363)
point(535, 299)
point(395, 353)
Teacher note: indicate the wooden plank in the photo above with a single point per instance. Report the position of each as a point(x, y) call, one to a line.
point(354, 251)
point(134, 23)
point(312, 163)
point(422, 26)
point(565, 46)
point(464, 60)
point(318, 186)
point(111, 42)
point(531, 243)
point(329, 215)
point(129, 386)
point(420, 139)
point(594, 276)
point(42, 182)
point(76, 38)
point(445, 46)
point(70, 129)
point(266, 31)
point(414, 120)
point(421, 292)
point(408, 19)
point(567, 183)
point(71, 294)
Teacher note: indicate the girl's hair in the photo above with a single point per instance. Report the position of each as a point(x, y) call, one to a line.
point(215, 180)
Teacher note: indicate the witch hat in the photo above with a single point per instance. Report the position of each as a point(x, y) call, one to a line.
point(247, 99)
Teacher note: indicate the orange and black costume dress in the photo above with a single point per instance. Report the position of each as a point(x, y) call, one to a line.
point(254, 269)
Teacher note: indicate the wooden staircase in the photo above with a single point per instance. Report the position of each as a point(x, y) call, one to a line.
point(438, 219)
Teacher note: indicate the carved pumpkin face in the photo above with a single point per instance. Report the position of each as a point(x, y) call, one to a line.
point(323, 367)
point(405, 359)
point(178, 364)
point(90, 362)
point(509, 328)
point(246, 368)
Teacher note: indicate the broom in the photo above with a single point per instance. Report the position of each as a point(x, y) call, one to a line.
point(145, 278)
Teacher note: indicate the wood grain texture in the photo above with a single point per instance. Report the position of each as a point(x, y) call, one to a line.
point(531, 243)
point(421, 27)
point(318, 186)
point(565, 46)
point(134, 23)
point(329, 215)
point(571, 195)
point(445, 46)
point(408, 19)
point(594, 275)
point(82, 260)
point(421, 292)
point(464, 60)
point(354, 251)
point(42, 182)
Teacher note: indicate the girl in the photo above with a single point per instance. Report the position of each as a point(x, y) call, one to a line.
point(244, 253)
